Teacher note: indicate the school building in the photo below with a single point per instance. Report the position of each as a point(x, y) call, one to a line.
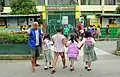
point(91, 12)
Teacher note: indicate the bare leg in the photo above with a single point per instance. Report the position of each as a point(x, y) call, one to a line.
point(89, 66)
point(54, 62)
point(107, 36)
point(33, 64)
point(72, 66)
point(63, 59)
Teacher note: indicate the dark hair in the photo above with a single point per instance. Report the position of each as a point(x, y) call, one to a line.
point(46, 36)
point(73, 38)
point(98, 26)
point(21, 27)
point(59, 30)
point(29, 26)
point(88, 34)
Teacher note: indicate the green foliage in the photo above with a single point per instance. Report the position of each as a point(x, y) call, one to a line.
point(23, 7)
point(7, 37)
point(118, 10)
point(118, 33)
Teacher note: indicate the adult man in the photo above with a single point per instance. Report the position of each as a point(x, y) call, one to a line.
point(58, 41)
point(34, 42)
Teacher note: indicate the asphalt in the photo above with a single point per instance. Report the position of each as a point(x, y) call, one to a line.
point(107, 65)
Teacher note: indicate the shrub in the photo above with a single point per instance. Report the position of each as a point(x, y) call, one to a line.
point(6, 37)
point(118, 33)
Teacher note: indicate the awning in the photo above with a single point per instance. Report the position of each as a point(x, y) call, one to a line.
point(108, 15)
point(29, 15)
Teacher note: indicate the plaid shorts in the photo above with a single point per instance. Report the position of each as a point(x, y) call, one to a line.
point(35, 52)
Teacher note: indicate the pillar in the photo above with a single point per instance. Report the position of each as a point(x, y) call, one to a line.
point(102, 7)
point(46, 2)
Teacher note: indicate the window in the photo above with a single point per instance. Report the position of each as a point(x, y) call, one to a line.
point(83, 2)
point(112, 21)
point(110, 2)
point(90, 2)
point(7, 2)
point(118, 1)
point(40, 2)
point(2, 3)
point(52, 2)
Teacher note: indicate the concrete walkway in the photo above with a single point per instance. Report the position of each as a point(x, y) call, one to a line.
point(108, 65)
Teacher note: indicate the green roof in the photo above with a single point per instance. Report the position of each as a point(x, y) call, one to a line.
point(29, 15)
point(108, 15)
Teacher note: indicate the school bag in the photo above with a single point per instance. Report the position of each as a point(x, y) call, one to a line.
point(88, 46)
point(73, 50)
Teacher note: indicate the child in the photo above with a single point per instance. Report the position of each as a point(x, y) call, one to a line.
point(89, 52)
point(47, 51)
point(73, 51)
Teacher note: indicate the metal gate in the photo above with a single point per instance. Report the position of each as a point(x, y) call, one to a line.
point(55, 21)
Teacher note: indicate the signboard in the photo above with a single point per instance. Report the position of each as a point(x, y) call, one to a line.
point(61, 8)
point(64, 19)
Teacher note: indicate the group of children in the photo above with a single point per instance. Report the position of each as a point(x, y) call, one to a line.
point(73, 48)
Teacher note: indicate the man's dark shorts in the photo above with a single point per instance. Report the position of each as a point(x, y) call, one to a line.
point(35, 52)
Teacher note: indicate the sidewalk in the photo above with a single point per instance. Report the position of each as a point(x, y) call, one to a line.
point(106, 66)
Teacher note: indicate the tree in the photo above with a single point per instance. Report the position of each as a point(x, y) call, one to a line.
point(118, 10)
point(23, 7)
point(1, 5)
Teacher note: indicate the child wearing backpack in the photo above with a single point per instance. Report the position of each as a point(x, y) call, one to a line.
point(73, 51)
point(89, 52)
point(47, 51)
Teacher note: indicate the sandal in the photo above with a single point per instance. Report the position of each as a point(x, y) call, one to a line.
point(53, 71)
point(64, 67)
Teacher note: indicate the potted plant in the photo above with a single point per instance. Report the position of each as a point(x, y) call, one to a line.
point(13, 43)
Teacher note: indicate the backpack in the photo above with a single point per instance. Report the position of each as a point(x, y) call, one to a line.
point(88, 46)
point(73, 50)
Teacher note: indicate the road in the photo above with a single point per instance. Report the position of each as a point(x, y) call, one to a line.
point(107, 65)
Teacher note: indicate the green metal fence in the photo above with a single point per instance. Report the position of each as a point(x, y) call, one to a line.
point(55, 21)
point(113, 32)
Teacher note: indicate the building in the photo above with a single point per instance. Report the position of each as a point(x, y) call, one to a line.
point(54, 12)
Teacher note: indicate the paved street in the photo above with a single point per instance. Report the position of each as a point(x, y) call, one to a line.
point(108, 65)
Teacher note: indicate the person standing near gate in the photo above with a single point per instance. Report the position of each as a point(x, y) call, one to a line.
point(107, 32)
point(34, 42)
point(66, 31)
point(59, 41)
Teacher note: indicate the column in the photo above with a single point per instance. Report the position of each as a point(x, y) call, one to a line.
point(46, 2)
point(102, 7)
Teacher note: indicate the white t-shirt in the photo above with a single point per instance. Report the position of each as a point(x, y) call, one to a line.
point(37, 35)
point(47, 44)
point(84, 39)
point(58, 44)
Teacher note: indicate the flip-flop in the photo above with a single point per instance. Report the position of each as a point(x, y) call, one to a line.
point(53, 71)
point(64, 67)
point(37, 65)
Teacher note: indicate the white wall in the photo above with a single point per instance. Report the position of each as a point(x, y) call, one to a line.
point(97, 7)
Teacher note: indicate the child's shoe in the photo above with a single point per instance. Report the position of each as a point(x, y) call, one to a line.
point(45, 68)
point(71, 68)
point(86, 66)
point(50, 66)
point(89, 69)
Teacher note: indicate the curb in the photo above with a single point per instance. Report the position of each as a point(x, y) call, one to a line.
point(109, 39)
point(17, 57)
